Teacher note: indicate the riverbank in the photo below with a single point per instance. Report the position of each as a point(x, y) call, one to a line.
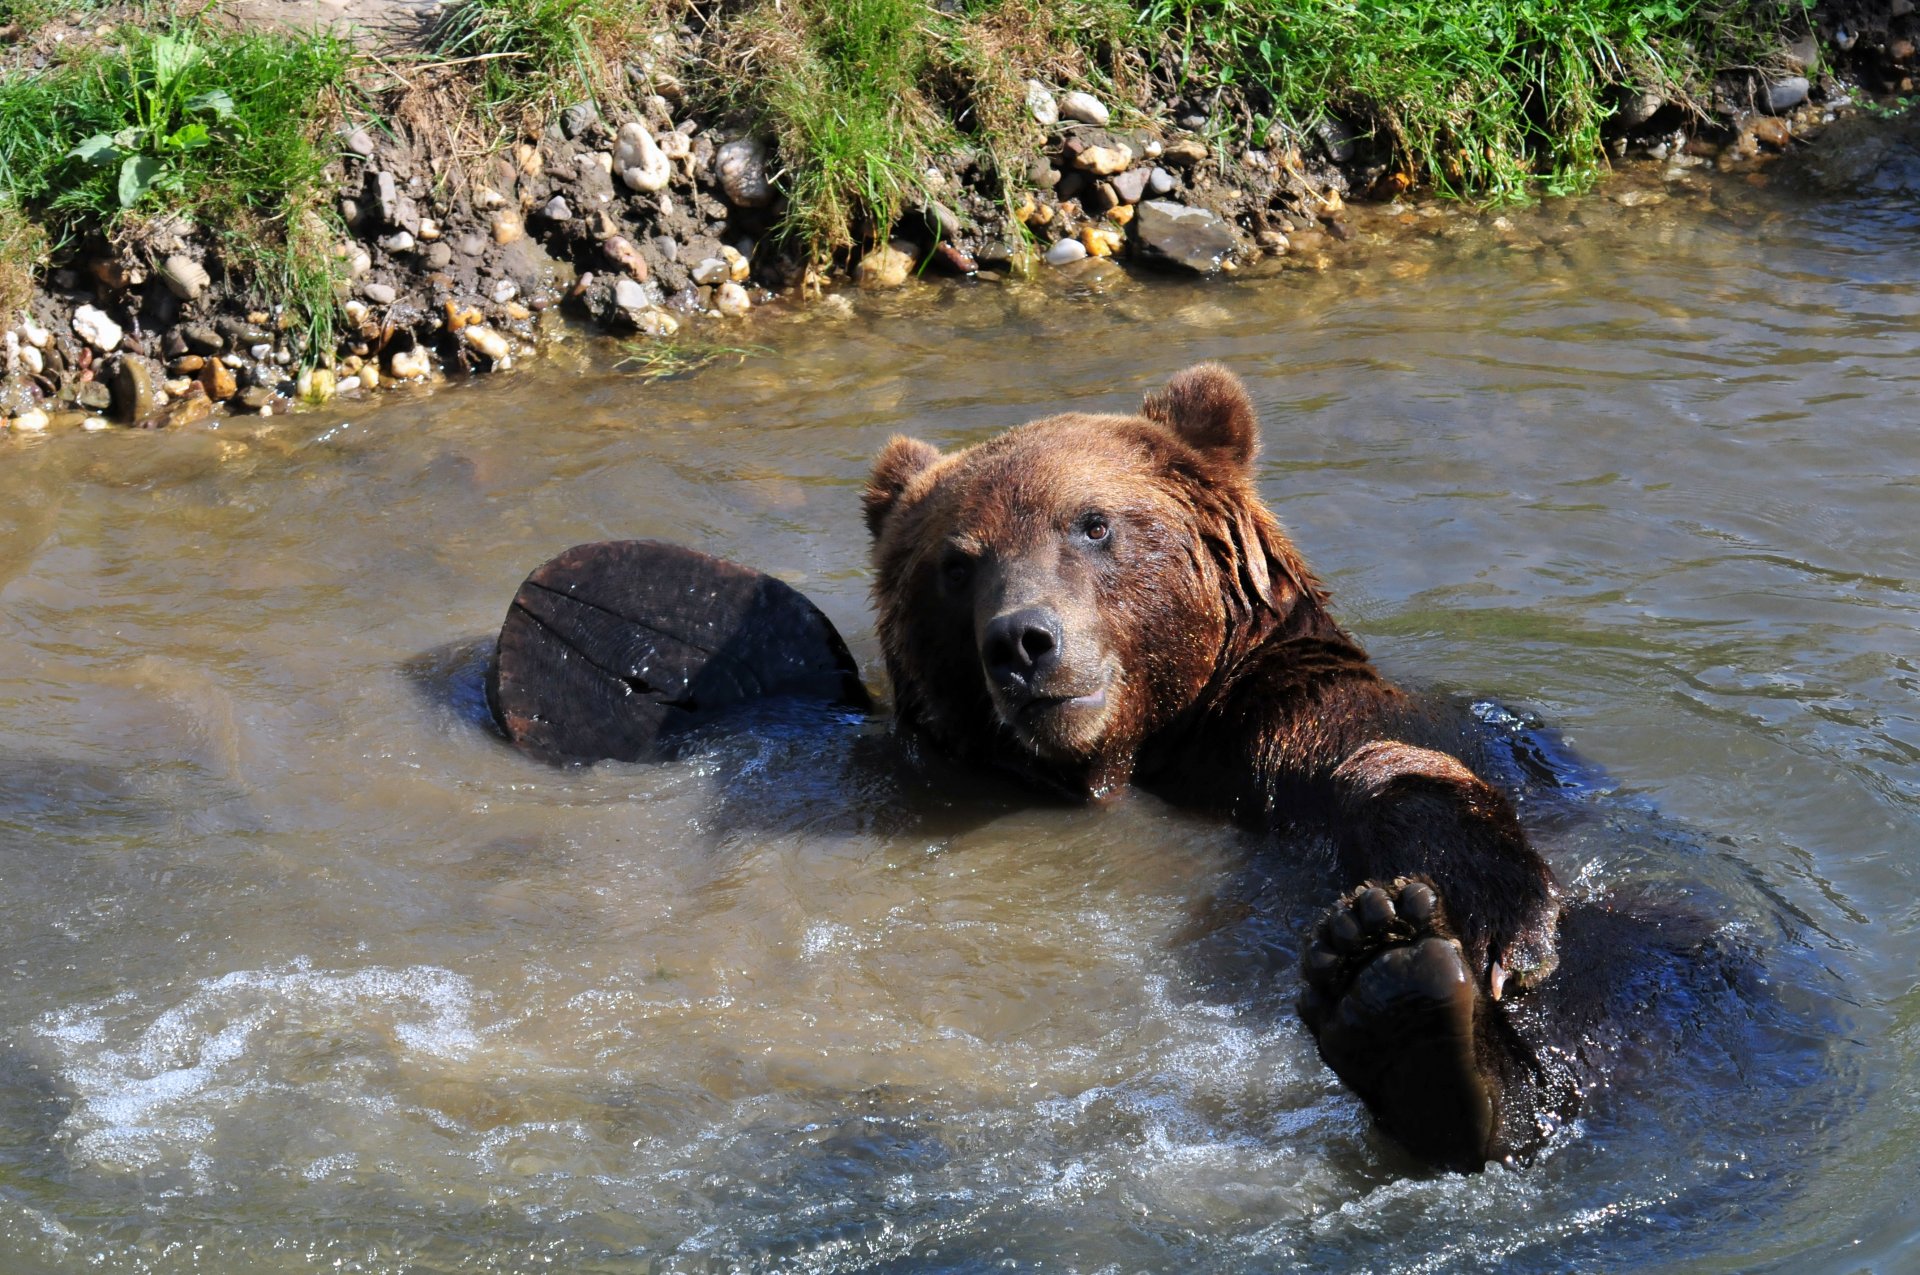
point(397, 191)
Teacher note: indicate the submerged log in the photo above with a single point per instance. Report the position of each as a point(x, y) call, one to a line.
point(612, 649)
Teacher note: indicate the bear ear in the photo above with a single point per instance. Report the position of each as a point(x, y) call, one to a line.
point(898, 463)
point(1208, 407)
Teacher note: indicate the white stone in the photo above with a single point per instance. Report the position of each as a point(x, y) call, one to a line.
point(742, 167)
point(184, 277)
point(411, 365)
point(347, 383)
point(505, 291)
point(629, 295)
point(94, 424)
point(359, 261)
point(738, 267)
point(732, 300)
point(712, 270)
point(36, 335)
point(96, 329)
point(356, 312)
point(429, 228)
point(489, 199)
point(379, 293)
point(639, 160)
point(31, 421)
point(399, 241)
point(1045, 110)
point(676, 145)
point(32, 360)
point(487, 341)
point(1084, 107)
point(656, 323)
point(1065, 252)
point(258, 352)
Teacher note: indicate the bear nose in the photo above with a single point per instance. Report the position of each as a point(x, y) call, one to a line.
point(1021, 647)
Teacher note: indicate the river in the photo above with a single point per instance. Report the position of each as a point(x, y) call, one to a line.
point(301, 968)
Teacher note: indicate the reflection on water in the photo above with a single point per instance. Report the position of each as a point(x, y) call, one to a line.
point(305, 969)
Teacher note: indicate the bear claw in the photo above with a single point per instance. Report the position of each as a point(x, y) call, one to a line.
point(1393, 1002)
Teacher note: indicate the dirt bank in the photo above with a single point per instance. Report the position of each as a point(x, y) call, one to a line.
point(453, 245)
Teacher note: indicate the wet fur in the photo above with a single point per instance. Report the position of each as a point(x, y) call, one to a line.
point(1227, 686)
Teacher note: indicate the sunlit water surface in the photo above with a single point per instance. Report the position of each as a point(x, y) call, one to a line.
point(302, 969)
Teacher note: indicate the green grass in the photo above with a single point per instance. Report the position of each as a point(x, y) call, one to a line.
point(224, 128)
point(22, 246)
point(527, 56)
point(1499, 98)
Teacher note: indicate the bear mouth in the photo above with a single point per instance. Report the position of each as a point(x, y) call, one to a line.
point(1058, 723)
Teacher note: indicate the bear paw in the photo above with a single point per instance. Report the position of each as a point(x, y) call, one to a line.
point(1393, 1001)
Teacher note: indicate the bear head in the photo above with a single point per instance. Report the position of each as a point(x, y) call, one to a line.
point(1049, 600)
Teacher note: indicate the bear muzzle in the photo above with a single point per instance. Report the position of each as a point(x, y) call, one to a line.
point(1043, 688)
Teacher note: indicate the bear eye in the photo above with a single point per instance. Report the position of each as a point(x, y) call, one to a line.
point(956, 568)
point(1095, 527)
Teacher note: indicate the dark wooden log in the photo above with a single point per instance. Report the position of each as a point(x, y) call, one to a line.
point(612, 649)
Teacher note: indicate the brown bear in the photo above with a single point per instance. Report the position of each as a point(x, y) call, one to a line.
point(1093, 601)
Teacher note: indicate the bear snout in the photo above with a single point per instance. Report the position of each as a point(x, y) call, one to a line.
point(1020, 651)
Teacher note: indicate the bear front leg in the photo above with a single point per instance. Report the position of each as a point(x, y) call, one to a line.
point(1403, 1020)
point(1404, 811)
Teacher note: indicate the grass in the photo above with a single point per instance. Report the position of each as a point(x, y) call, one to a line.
point(223, 128)
point(23, 245)
point(659, 360)
point(529, 56)
point(1486, 98)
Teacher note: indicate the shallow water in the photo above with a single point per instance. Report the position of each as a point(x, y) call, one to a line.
point(301, 968)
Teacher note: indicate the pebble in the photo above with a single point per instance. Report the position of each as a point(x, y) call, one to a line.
point(178, 386)
point(557, 209)
point(356, 312)
point(1041, 104)
point(1104, 161)
point(1185, 152)
point(1100, 241)
point(94, 424)
point(368, 376)
point(486, 341)
point(398, 241)
point(1131, 186)
point(257, 398)
point(887, 266)
point(1084, 107)
point(36, 335)
point(1785, 94)
point(96, 329)
point(508, 227)
point(259, 352)
point(629, 295)
point(487, 199)
point(742, 168)
point(1161, 182)
point(31, 421)
point(410, 365)
point(359, 143)
point(32, 360)
point(133, 395)
point(379, 293)
point(504, 291)
point(219, 382)
point(184, 277)
point(429, 228)
point(712, 270)
point(732, 300)
point(639, 160)
point(438, 256)
point(738, 267)
point(359, 261)
point(622, 253)
point(657, 323)
point(1066, 252)
point(578, 118)
point(1772, 132)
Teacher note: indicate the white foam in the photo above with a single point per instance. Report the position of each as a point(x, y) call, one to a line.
point(152, 1087)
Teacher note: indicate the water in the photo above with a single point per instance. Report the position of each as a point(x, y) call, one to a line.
point(301, 969)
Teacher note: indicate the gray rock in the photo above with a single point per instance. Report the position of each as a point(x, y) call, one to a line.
point(93, 395)
point(472, 245)
point(1161, 182)
point(1785, 94)
point(1336, 137)
point(255, 397)
point(378, 293)
point(384, 195)
point(1066, 252)
point(578, 118)
point(945, 218)
point(1131, 185)
point(742, 169)
point(1638, 108)
point(1085, 108)
point(438, 256)
point(202, 339)
point(557, 210)
point(711, 271)
point(358, 143)
point(1176, 237)
point(398, 241)
point(629, 295)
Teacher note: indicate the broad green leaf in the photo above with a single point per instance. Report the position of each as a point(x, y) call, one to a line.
point(189, 137)
point(171, 58)
point(219, 101)
point(98, 150)
point(136, 176)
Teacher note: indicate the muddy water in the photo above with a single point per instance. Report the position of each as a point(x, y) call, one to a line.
point(301, 969)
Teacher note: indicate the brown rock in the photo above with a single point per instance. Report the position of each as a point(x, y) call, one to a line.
point(1772, 131)
point(218, 382)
